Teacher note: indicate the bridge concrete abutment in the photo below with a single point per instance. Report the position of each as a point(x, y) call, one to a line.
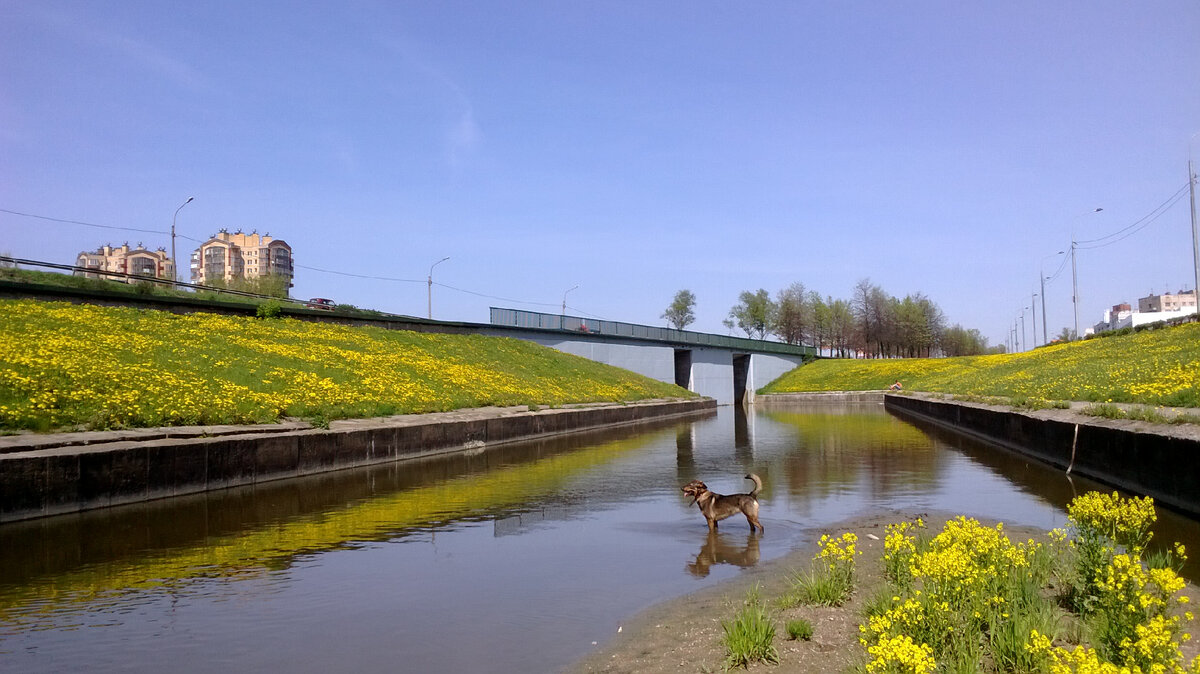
point(730, 377)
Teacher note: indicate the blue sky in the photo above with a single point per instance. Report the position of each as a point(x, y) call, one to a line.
point(628, 148)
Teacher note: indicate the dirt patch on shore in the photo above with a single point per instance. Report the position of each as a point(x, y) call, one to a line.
point(685, 634)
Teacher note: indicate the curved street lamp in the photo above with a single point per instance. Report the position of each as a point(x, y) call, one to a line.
point(430, 287)
point(564, 307)
point(174, 266)
point(1042, 277)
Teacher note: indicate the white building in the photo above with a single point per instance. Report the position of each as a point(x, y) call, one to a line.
point(1123, 316)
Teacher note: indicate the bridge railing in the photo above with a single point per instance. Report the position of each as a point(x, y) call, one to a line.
point(536, 320)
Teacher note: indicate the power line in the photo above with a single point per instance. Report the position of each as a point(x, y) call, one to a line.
point(1137, 226)
point(366, 276)
point(316, 269)
point(85, 224)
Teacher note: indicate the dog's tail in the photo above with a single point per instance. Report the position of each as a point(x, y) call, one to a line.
point(757, 484)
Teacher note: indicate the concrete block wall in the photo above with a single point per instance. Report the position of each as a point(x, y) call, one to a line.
point(67, 479)
point(1165, 467)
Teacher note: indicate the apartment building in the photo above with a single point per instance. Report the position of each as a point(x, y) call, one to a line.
point(138, 261)
point(229, 255)
point(1184, 299)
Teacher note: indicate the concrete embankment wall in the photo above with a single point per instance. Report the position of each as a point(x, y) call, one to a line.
point(1159, 465)
point(822, 397)
point(72, 478)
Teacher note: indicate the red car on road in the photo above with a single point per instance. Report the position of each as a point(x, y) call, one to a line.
point(320, 303)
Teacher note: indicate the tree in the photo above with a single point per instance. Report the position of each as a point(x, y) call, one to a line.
point(1067, 335)
point(754, 313)
point(822, 322)
point(274, 285)
point(958, 341)
point(841, 324)
point(793, 315)
point(679, 314)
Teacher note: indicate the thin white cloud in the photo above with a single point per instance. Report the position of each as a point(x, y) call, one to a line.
point(90, 30)
point(463, 133)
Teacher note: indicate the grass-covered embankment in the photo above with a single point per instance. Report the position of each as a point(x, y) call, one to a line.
point(1153, 367)
point(65, 365)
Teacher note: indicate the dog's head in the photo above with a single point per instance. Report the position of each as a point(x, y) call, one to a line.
point(695, 489)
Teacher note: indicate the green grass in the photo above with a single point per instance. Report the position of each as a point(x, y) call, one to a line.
point(819, 586)
point(799, 629)
point(1153, 367)
point(750, 636)
point(84, 366)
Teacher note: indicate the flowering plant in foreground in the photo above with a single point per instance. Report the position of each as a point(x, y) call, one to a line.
point(973, 596)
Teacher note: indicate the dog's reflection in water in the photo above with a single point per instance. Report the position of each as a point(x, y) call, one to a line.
point(721, 549)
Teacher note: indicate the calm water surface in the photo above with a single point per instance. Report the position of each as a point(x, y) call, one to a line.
point(514, 560)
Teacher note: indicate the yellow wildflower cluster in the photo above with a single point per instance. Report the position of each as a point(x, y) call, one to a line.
point(1159, 367)
point(1126, 521)
point(898, 550)
point(1082, 660)
point(63, 364)
point(975, 595)
point(838, 550)
point(900, 655)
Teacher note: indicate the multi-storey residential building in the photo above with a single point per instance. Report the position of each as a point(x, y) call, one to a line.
point(1151, 309)
point(1184, 299)
point(137, 261)
point(228, 256)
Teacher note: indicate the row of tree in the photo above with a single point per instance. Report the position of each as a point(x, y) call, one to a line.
point(872, 323)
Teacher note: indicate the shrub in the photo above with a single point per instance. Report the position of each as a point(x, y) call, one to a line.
point(269, 309)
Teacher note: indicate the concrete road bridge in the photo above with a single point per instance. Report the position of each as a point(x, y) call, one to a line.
point(728, 369)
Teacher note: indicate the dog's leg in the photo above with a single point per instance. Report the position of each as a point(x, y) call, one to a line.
point(753, 520)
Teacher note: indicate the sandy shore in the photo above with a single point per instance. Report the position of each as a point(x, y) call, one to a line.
point(685, 634)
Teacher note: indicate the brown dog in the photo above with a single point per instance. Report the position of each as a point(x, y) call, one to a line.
point(716, 507)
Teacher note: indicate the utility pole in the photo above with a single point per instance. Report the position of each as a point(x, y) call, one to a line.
point(1033, 315)
point(1195, 233)
point(1074, 278)
point(175, 266)
point(1074, 287)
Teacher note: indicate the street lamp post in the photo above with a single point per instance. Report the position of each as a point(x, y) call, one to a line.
point(1195, 228)
point(564, 306)
point(174, 265)
point(1024, 339)
point(1033, 316)
point(429, 295)
point(1074, 279)
point(1042, 278)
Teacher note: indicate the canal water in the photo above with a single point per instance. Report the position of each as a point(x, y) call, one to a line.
point(517, 559)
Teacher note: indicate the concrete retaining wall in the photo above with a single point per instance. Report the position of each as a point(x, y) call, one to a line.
point(1162, 466)
point(43, 482)
point(823, 397)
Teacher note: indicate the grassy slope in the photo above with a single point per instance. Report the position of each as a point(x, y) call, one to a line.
point(101, 367)
point(1156, 367)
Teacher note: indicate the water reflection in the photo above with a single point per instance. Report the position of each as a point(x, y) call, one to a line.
point(368, 568)
point(94, 558)
point(721, 548)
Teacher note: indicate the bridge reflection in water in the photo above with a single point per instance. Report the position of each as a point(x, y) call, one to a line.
point(515, 559)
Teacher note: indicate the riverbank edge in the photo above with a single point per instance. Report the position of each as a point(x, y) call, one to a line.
point(103, 469)
point(1140, 458)
point(685, 633)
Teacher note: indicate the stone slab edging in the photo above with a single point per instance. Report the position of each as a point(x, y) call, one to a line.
point(39, 481)
point(1161, 463)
